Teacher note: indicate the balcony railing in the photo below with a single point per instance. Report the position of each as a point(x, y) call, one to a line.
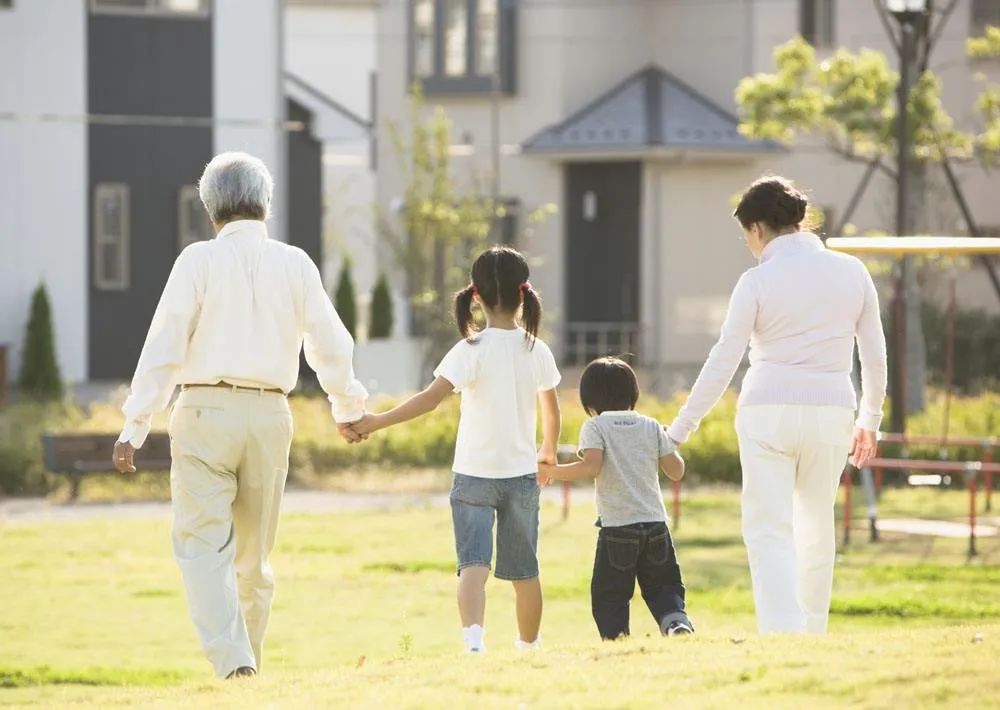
point(588, 340)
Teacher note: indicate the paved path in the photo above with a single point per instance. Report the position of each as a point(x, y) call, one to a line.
point(41, 510)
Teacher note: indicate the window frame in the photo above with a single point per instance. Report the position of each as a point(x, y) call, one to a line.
point(818, 22)
point(151, 9)
point(185, 227)
point(438, 83)
point(121, 191)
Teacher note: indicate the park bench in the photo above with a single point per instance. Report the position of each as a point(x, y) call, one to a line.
point(76, 455)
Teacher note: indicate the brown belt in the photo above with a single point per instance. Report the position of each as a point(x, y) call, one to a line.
point(237, 388)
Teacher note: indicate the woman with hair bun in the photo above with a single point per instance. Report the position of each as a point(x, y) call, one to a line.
point(801, 309)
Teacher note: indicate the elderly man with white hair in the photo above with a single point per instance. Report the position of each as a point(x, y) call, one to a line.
point(229, 327)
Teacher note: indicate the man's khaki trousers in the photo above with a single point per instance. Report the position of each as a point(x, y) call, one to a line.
point(230, 460)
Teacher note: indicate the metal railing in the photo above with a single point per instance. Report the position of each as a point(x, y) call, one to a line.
point(586, 340)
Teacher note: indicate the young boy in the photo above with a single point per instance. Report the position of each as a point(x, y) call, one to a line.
point(623, 451)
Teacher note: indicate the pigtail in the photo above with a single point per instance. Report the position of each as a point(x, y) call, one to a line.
point(463, 310)
point(531, 312)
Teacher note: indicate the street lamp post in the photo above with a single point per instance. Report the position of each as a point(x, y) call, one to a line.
point(912, 18)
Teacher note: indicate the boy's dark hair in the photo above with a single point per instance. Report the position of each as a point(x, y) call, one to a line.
point(500, 277)
point(608, 384)
point(774, 201)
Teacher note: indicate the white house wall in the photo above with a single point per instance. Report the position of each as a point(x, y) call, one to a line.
point(249, 86)
point(43, 180)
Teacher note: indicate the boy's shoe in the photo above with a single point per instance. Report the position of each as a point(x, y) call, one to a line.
point(242, 672)
point(679, 628)
point(676, 624)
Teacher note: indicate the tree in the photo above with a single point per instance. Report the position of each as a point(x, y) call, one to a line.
point(344, 299)
point(40, 378)
point(381, 310)
point(440, 227)
point(848, 100)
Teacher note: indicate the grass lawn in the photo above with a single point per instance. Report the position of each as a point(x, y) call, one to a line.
point(93, 613)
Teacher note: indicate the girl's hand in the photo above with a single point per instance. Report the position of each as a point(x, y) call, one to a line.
point(366, 425)
point(548, 454)
point(545, 471)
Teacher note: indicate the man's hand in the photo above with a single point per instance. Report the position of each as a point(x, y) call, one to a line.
point(122, 457)
point(548, 453)
point(864, 446)
point(347, 433)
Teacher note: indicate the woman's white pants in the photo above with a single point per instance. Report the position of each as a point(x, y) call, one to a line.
point(792, 458)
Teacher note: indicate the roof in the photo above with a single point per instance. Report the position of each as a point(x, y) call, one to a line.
point(915, 245)
point(650, 109)
point(334, 122)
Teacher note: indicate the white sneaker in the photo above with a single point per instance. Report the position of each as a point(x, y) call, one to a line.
point(474, 639)
point(535, 645)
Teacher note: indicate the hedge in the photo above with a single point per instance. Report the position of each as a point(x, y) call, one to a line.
point(712, 453)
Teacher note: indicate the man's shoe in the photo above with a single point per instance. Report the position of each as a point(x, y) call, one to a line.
point(242, 672)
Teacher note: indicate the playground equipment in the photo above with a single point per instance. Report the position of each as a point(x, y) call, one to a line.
point(899, 247)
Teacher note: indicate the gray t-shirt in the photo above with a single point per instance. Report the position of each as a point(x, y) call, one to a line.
point(628, 486)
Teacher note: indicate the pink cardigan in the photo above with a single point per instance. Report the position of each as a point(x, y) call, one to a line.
point(801, 310)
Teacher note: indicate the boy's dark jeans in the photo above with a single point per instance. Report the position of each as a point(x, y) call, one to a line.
point(643, 552)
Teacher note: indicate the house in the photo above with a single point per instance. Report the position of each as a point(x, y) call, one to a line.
point(109, 110)
point(623, 115)
point(329, 54)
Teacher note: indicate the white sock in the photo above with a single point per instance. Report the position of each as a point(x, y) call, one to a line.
point(473, 636)
point(525, 646)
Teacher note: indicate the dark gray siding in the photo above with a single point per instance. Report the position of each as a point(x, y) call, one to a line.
point(143, 66)
point(305, 203)
point(305, 186)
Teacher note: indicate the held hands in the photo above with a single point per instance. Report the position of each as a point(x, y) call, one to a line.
point(863, 447)
point(360, 429)
point(547, 460)
point(348, 433)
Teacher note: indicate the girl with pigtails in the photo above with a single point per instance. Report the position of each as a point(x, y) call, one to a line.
point(503, 373)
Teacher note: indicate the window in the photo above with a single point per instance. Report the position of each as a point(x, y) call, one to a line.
point(193, 224)
point(423, 38)
point(816, 20)
point(151, 7)
point(456, 35)
point(507, 220)
point(984, 14)
point(463, 46)
point(111, 236)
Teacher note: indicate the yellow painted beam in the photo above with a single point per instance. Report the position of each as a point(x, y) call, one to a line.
point(899, 246)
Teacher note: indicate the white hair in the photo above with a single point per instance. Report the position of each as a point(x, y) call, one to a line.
point(236, 185)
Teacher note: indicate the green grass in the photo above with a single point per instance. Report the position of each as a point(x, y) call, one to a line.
point(93, 613)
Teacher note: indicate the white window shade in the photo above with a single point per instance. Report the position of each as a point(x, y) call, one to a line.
point(193, 224)
point(111, 236)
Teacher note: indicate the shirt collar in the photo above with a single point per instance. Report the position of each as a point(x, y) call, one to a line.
point(244, 226)
point(799, 241)
point(619, 412)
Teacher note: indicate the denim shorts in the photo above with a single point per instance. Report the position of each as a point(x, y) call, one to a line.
point(475, 502)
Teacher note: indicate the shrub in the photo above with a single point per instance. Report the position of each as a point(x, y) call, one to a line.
point(381, 310)
point(40, 377)
point(344, 300)
point(22, 470)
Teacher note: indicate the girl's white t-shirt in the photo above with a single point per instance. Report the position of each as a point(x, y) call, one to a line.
point(499, 375)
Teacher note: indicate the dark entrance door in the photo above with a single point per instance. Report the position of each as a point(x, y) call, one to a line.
point(602, 252)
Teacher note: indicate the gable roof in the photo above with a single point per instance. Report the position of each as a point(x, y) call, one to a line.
point(650, 109)
point(333, 122)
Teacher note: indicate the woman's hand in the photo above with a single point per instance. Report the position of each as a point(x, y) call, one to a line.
point(864, 446)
